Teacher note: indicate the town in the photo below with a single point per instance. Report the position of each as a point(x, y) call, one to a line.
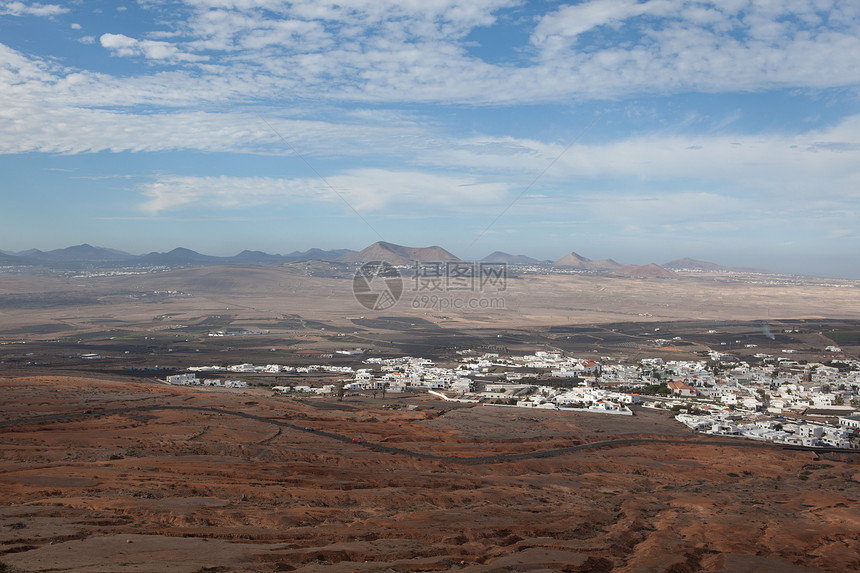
point(777, 400)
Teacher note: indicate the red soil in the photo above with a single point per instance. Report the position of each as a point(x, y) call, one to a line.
point(171, 490)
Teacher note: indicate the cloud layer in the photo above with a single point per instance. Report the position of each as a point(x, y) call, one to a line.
point(460, 106)
point(368, 190)
point(228, 52)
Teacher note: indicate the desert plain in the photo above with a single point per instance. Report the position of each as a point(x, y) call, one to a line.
point(104, 467)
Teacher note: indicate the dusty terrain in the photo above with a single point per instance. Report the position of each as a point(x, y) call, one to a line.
point(60, 304)
point(234, 482)
point(165, 318)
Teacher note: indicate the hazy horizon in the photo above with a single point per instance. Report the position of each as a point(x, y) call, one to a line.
point(640, 131)
point(847, 274)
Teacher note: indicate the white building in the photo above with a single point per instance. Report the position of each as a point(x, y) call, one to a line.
point(183, 380)
point(242, 368)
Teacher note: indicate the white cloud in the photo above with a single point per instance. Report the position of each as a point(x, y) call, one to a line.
point(667, 46)
point(366, 190)
point(454, 17)
point(49, 109)
point(31, 9)
point(568, 22)
point(227, 52)
point(672, 185)
point(27, 127)
point(122, 45)
point(769, 171)
point(224, 192)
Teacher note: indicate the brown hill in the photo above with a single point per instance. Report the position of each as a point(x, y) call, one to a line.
point(649, 271)
point(576, 261)
point(605, 265)
point(572, 260)
point(397, 254)
point(687, 264)
point(693, 265)
point(502, 257)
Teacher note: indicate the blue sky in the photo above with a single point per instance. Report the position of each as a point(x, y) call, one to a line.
point(639, 130)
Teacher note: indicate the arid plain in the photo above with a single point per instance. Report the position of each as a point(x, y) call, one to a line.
point(316, 292)
point(106, 469)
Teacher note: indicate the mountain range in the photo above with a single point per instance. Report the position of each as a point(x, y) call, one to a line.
point(577, 262)
point(83, 256)
point(88, 256)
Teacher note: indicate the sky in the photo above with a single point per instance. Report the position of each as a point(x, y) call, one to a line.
point(641, 130)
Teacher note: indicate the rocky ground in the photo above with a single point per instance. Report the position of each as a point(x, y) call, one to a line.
point(243, 486)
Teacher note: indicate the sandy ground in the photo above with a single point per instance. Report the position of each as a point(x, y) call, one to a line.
point(61, 305)
point(188, 490)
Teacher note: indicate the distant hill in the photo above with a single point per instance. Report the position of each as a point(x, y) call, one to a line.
point(253, 258)
point(9, 259)
point(71, 257)
point(649, 271)
point(693, 265)
point(87, 256)
point(606, 264)
point(178, 256)
point(397, 254)
point(687, 264)
point(572, 260)
point(500, 257)
point(77, 254)
point(316, 255)
point(261, 258)
point(86, 251)
point(183, 256)
point(576, 261)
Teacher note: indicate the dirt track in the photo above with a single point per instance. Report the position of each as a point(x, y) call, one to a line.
point(426, 454)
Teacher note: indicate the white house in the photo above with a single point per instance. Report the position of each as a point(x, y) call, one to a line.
point(242, 368)
point(810, 431)
point(183, 380)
